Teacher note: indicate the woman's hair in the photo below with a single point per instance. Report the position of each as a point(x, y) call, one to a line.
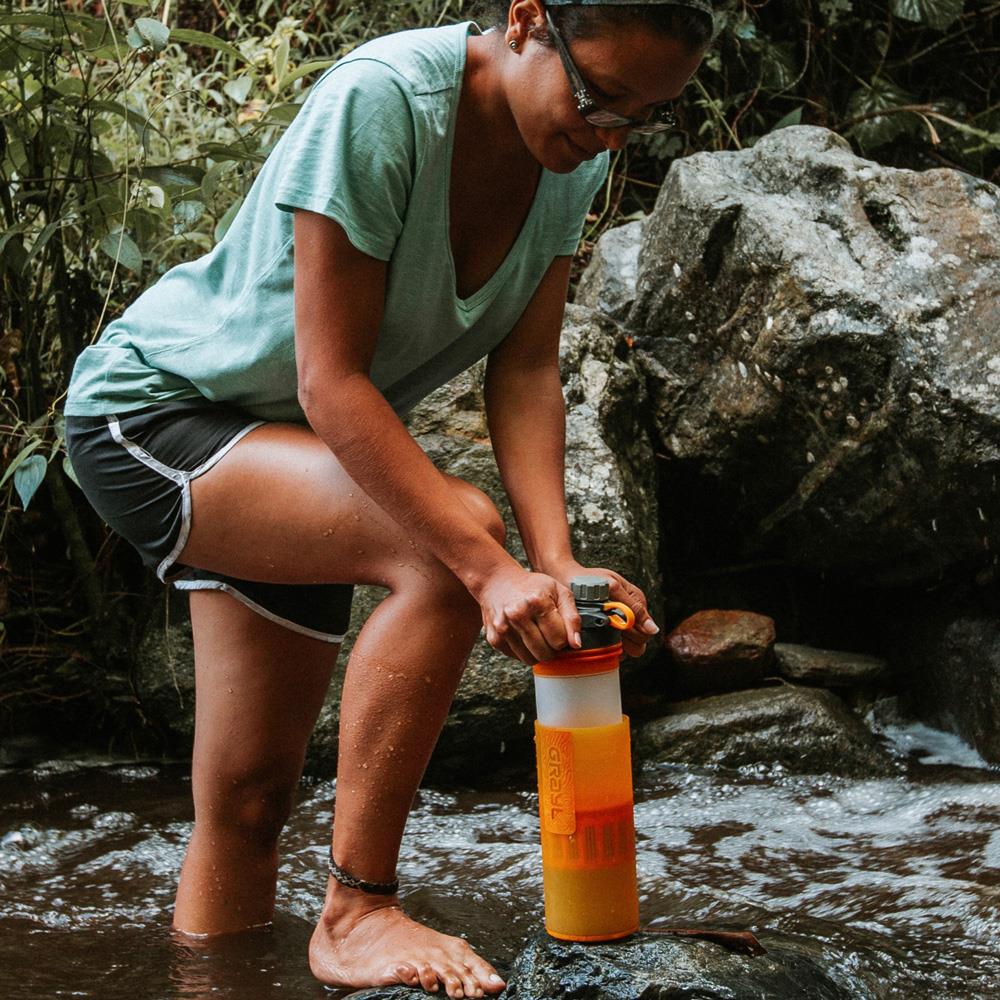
point(693, 28)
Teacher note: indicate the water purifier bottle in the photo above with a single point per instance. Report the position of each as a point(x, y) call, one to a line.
point(585, 778)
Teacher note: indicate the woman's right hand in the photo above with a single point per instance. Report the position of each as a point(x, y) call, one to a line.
point(529, 616)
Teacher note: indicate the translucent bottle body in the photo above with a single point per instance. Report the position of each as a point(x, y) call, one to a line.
point(585, 798)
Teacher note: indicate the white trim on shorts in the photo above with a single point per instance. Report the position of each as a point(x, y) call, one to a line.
point(228, 588)
point(183, 480)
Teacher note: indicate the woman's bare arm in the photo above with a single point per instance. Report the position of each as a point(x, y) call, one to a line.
point(339, 300)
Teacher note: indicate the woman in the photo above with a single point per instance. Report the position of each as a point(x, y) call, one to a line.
point(240, 425)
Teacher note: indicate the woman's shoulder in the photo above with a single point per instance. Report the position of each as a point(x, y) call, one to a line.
point(420, 60)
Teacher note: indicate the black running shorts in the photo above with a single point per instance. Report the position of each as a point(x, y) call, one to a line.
point(136, 470)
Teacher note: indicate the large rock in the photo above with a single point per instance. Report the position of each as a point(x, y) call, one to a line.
point(608, 283)
point(822, 339)
point(805, 730)
point(664, 967)
point(659, 967)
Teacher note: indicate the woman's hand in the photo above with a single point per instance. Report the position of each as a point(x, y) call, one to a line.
point(634, 639)
point(529, 616)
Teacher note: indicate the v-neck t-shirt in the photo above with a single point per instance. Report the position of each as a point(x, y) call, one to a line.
point(371, 148)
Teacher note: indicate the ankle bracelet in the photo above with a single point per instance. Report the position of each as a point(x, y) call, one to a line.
point(353, 882)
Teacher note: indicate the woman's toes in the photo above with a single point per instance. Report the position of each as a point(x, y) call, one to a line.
point(428, 978)
point(407, 974)
point(454, 985)
point(470, 983)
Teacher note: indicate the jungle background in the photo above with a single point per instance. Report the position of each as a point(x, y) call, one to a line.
point(130, 133)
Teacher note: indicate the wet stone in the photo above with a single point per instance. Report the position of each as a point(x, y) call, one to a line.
point(715, 651)
point(662, 966)
point(828, 667)
point(805, 730)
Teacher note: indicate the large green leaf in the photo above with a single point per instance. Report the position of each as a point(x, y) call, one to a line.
point(226, 221)
point(149, 31)
point(28, 478)
point(22, 456)
point(939, 14)
point(303, 69)
point(878, 129)
point(207, 41)
point(121, 247)
point(168, 176)
point(223, 151)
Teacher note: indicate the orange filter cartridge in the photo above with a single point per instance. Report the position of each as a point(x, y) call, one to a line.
point(585, 778)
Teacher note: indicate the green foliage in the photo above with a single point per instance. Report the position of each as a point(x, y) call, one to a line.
point(130, 132)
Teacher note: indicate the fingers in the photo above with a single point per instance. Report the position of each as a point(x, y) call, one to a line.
point(570, 616)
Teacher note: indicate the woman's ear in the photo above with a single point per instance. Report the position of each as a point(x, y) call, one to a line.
point(525, 17)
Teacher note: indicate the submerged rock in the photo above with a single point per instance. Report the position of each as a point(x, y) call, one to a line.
point(822, 340)
point(805, 730)
point(716, 651)
point(828, 667)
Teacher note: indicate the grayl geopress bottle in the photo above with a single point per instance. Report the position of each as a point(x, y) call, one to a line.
point(585, 778)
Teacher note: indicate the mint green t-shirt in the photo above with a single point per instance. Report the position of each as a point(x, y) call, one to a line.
point(371, 148)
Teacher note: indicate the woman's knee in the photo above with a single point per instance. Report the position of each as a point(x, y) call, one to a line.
point(251, 803)
point(481, 507)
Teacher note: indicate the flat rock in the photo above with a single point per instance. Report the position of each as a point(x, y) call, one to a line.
point(805, 730)
point(828, 667)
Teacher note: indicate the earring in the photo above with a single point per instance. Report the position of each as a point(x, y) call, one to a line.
point(513, 45)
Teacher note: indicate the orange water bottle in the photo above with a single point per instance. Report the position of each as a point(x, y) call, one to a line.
point(585, 778)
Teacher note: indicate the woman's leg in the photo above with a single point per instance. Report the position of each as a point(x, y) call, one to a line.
point(259, 690)
point(279, 507)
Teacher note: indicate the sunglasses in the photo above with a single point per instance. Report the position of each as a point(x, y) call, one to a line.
point(662, 118)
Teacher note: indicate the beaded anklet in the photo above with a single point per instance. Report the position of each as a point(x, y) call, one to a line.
point(353, 882)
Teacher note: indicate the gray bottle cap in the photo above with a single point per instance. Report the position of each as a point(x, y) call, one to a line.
point(590, 588)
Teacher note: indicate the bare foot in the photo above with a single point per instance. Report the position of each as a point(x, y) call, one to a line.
point(372, 942)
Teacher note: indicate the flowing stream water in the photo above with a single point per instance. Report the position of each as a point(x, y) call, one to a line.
point(899, 877)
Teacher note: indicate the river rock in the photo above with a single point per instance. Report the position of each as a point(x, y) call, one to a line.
point(828, 667)
point(716, 651)
point(822, 340)
point(655, 967)
point(608, 283)
point(658, 967)
point(805, 730)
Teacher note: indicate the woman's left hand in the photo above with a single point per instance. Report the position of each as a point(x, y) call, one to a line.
point(634, 639)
